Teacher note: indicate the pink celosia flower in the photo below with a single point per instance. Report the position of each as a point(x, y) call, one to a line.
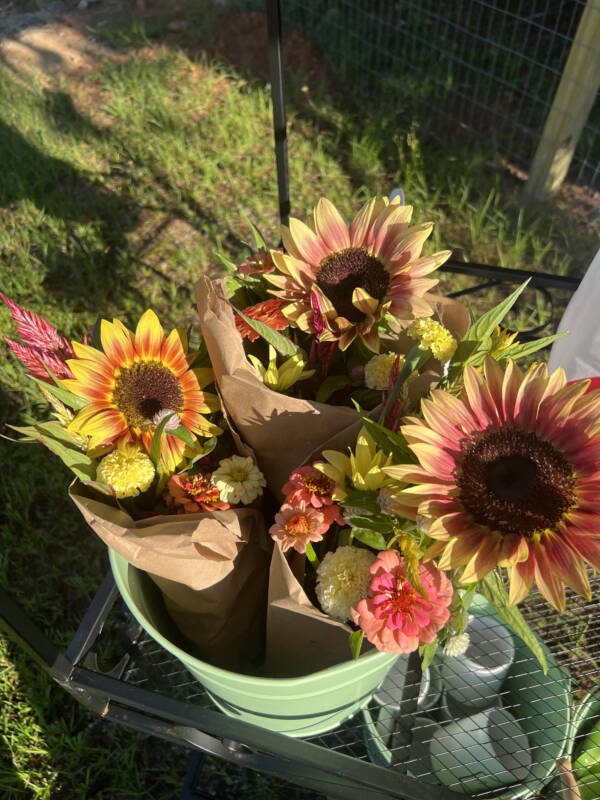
point(41, 346)
point(297, 525)
point(191, 494)
point(394, 616)
point(308, 485)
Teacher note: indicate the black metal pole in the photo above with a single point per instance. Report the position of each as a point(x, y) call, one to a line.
point(277, 96)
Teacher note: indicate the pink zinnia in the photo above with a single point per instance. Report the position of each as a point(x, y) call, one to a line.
point(297, 525)
point(308, 485)
point(394, 616)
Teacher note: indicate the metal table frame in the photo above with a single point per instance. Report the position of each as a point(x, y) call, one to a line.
point(111, 696)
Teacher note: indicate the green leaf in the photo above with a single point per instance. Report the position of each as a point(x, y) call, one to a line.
point(486, 324)
point(62, 444)
point(527, 348)
point(182, 433)
point(229, 265)
point(375, 522)
point(366, 500)
point(412, 361)
point(370, 538)
point(468, 595)
point(64, 395)
point(156, 439)
point(427, 652)
point(386, 440)
point(281, 343)
point(355, 641)
point(259, 239)
point(331, 385)
point(492, 588)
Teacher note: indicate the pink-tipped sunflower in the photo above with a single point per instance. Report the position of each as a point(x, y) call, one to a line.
point(340, 281)
point(138, 380)
point(509, 475)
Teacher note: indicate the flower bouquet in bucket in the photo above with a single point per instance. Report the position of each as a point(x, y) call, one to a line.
point(369, 461)
point(156, 477)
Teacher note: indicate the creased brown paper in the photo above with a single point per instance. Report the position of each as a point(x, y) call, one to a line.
point(284, 432)
point(300, 638)
point(212, 569)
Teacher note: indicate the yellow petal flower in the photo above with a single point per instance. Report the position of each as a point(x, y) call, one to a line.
point(281, 378)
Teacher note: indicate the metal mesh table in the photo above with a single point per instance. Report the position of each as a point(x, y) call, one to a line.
point(118, 672)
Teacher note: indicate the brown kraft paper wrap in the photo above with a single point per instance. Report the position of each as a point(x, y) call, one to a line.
point(286, 432)
point(300, 638)
point(212, 569)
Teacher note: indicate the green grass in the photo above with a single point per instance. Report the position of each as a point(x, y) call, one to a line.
point(115, 193)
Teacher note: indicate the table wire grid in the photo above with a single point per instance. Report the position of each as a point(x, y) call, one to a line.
point(544, 706)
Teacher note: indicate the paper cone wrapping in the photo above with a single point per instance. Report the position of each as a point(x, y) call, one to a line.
point(286, 432)
point(300, 638)
point(212, 569)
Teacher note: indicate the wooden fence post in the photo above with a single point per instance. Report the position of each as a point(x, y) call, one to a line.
point(572, 103)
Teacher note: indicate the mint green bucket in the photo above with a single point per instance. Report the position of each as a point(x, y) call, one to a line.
point(304, 706)
point(540, 703)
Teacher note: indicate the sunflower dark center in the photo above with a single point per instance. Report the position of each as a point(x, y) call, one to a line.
point(144, 390)
point(342, 272)
point(515, 482)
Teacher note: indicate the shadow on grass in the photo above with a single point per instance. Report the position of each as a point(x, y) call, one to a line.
point(11, 784)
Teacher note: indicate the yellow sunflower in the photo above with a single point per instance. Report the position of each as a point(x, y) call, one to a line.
point(135, 383)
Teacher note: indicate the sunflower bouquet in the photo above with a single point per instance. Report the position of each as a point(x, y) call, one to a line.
point(158, 476)
point(416, 461)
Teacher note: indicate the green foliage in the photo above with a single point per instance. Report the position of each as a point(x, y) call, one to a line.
point(389, 442)
point(355, 641)
point(427, 653)
point(63, 445)
point(492, 588)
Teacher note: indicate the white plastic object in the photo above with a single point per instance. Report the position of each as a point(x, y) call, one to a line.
point(579, 351)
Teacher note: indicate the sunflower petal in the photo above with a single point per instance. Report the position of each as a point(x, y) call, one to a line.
point(330, 226)
point(149, 336)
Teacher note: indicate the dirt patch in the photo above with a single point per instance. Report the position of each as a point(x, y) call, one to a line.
point(242, 41)
point(57, 48)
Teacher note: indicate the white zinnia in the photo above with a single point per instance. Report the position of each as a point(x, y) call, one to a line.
point(343, 578)
point(378, 369)
point(238, 480)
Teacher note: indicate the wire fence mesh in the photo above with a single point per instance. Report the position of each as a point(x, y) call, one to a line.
point(489, 68)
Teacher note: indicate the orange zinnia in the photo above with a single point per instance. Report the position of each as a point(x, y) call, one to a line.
point(509, 475)
point(340, 281)
point(138, 380)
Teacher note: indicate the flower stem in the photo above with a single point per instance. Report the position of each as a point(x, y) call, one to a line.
point(413, 361)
